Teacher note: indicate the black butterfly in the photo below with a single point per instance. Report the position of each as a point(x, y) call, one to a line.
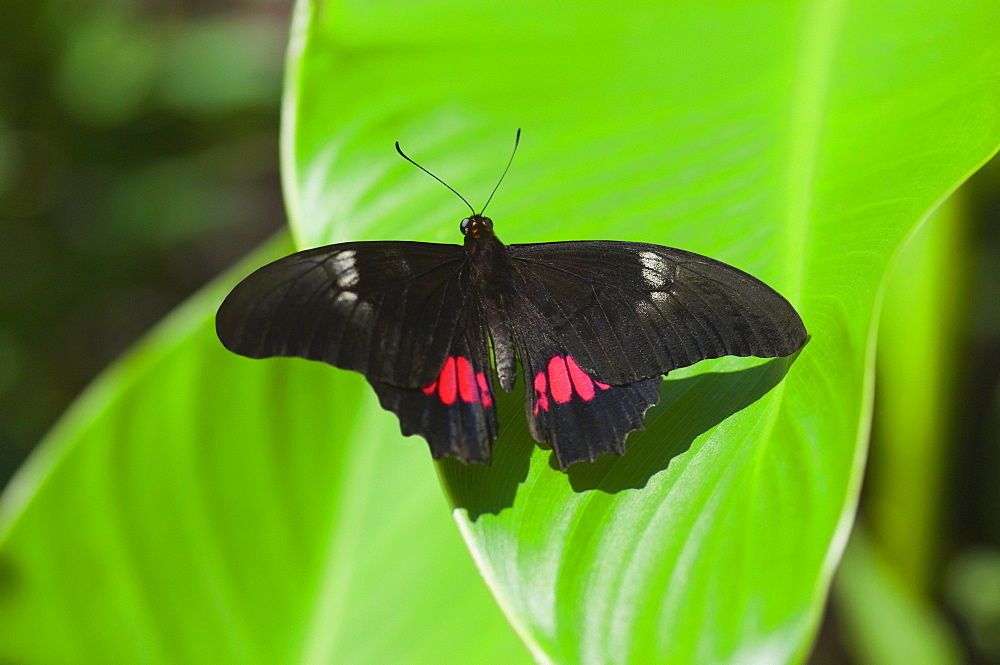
point(594, 324)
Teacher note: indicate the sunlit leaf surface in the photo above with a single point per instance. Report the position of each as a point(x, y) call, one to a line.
point(801, 141)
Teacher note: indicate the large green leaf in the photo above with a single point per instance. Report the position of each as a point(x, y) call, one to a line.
point(198, 507)
point(801, 141)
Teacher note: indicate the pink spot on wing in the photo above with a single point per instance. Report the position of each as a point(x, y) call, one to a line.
point(602, 386)
point(466, 380)
point(582, 383)
point(484, 389)
point(449, 382)
point(541, 397)
point(429, 389)
point(562, 391)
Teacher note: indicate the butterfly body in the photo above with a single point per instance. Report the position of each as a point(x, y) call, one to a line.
point(492, 275)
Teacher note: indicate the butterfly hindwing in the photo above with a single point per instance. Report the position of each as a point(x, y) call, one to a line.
point(579, 415)
point(456, 411)
point(386, 309)
point(628, 311)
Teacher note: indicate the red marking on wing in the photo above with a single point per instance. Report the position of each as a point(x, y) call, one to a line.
point(459, 379)
point(562, 378)
point(449, 382)
point(466, 380)
point(562, 391)
point(541, 397)
point(582, 383)
point(484, 389)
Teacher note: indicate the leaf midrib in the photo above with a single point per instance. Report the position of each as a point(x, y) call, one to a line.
point(822, 23)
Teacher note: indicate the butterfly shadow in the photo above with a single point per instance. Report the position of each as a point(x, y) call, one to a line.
point(489, 488)
point(688, 407)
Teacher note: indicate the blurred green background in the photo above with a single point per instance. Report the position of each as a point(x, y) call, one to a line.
point(139, 158)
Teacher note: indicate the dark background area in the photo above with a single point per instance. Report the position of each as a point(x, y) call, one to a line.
point(139, 159)
point(970, 590)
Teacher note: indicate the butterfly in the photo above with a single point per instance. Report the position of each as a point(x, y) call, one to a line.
point(593, 324)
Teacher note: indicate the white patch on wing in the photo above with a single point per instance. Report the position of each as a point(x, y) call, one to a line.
point(360, 313)
point(654, 270)
point(347, 270)
point(660, 297)
point(346, 299)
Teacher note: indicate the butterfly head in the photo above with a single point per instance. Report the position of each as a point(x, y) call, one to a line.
point(476, 226)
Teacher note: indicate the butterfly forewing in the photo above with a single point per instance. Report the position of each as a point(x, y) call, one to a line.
point(631, 311)
point(389, 310)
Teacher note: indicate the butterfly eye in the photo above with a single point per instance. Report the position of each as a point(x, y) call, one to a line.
point(488, 222)
point(465, 225)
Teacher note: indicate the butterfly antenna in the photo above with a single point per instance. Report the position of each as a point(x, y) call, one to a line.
point(403, 155)
point(517, 139)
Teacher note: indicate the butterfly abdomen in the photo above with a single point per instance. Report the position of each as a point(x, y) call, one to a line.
point(493, 279)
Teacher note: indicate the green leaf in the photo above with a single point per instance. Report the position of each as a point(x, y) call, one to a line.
point(923, 317)
point(198, 507)
point(801, 141)
point(885, 622)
